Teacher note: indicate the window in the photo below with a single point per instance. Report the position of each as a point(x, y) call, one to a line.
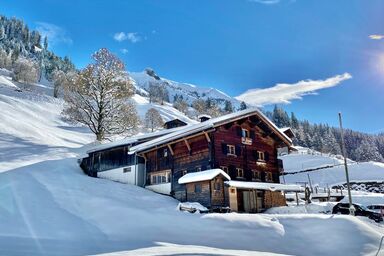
point(217, 186)
point(245, 133)
point(268, 177)
point(240, 173)
point(197, 188)
point(160, 177)
point(165, 152)
point(260, 156)
point(231, 150)
point(224, 168)
point(255, 175)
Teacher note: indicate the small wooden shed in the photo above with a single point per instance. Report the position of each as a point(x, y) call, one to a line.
point(206, 187)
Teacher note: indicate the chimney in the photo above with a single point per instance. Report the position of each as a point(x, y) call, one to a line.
point(204, 118)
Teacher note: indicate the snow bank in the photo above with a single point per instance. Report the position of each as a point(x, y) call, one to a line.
point(52, 208)
point(325, 207)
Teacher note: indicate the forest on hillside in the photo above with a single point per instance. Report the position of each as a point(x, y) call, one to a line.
point(321, 137)
point(22, 48)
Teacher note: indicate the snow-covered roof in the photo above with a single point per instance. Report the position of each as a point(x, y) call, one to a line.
point(209, 124)
point(204, 115)
point(202, 176)
point(264, 186)
point(284, 129)
point(132, 140)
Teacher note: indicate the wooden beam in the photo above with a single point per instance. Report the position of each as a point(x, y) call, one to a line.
point(207, 137)
point(188, 146)
point(170, 148)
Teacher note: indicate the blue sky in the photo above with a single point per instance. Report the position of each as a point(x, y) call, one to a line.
point(234, 45)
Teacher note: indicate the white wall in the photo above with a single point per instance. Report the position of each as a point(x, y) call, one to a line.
point(164, 188)
point(118, 175)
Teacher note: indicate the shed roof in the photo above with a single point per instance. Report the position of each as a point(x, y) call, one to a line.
point(211, 123)
point(202, 176)
point(132, 140)
point(264, 186)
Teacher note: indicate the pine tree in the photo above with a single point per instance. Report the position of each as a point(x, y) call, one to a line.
point(45, 43)
point(243, 106)
point(228, 108)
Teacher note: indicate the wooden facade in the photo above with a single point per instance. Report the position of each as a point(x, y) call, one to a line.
point(174, 123)
point(246, 149)
point(210, 193)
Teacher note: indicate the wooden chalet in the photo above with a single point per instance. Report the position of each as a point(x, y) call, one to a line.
point(112, 161)
point(243, 145)
point(174, 123)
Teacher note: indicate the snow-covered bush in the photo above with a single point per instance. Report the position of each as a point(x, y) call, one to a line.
point(25, 71)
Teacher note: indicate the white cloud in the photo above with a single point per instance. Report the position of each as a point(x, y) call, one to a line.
point(285, 93)
point(124, 51)
point(376, 37)
point(131, 36)
point(54, 33)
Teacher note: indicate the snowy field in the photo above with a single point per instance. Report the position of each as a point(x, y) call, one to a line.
point(366, 171)
point(49, 207)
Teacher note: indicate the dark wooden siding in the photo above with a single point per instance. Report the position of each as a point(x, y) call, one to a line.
point(246, 155)
point(203, 197)
point(107, 159)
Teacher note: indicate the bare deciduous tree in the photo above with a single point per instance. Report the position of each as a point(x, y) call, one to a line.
point(25, 71)
point(99, 97)
point(153, 119)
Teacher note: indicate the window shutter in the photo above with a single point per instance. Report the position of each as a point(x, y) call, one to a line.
point(266, 156)
point(224, 148)
point(238, 150)
point(248, 174)
point(232, 171)
point(263, 174)
point(252, 134)
point(239, 131)
point(275, 177)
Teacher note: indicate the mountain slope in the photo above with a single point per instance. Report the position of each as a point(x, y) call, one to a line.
point(189, 92)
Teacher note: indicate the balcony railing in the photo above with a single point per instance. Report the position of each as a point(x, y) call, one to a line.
point(246, 141)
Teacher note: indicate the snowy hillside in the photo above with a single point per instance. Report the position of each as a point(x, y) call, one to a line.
point(189, 92)
point(307, 159)
point(31, 122)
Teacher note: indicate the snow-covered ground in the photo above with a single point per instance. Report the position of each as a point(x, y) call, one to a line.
point(49, 207)
point(366, 171)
